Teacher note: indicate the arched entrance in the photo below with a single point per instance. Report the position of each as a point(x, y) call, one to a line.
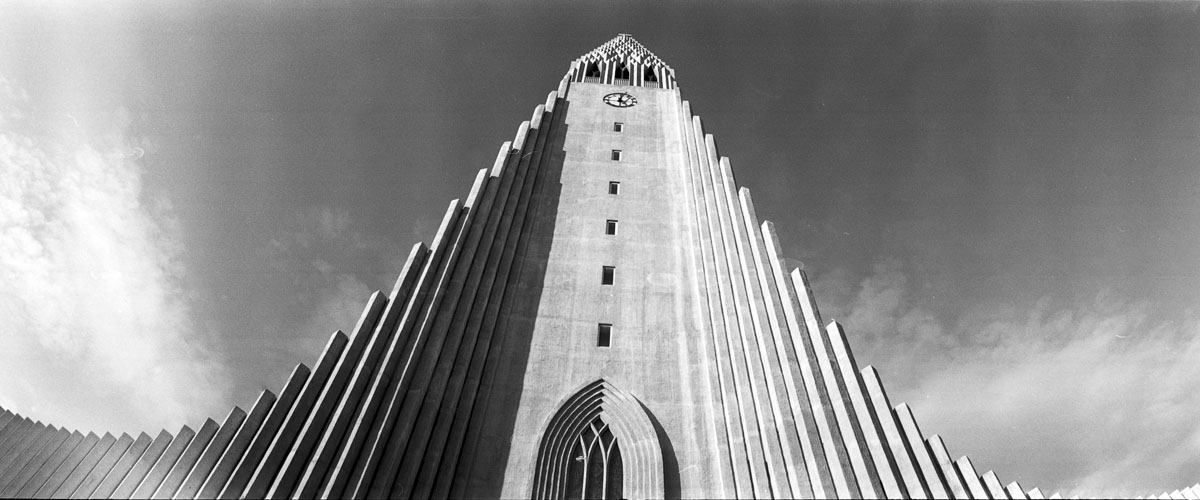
point(599, 444)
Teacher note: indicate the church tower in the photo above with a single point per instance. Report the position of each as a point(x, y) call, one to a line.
point(602, 316)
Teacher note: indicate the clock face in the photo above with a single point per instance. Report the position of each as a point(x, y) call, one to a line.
point(620, 100)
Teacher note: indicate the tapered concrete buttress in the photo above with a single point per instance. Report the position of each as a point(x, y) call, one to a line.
point(125, 486)
point(970, 478)
point(265, 473)
point(326, 403)
point(27, 483)
point(179, 470)
point(85, 467)
point(885, 468)
point(920, 453)
point(891, 431)
point(23, 467)
point(72, 481)
point(15, 433)
point(992, 483)
point(228, 460)
point(945, 466)
point(380, 458)
point(123, 467)
point(266, 434)
point(103, 467)
point(21, 449)
point(346, 471)
point(781, 358)
point(163, 465)
point(332, 440)
point(483, 322)
point(208, 459)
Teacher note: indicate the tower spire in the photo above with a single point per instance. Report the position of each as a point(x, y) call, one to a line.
point(622, 61)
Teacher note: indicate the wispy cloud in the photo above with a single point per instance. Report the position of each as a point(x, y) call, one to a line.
point(95, 330)
point(1095, 398)
point(331, 296)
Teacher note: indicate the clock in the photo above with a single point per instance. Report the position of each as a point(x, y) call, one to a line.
point(620, 100)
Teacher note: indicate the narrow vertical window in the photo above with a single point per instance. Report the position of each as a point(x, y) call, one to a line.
point(618, 127)
point(614, 187)
point(610, 227)
point(616, 155)
point(608, 275)
point(604, 335)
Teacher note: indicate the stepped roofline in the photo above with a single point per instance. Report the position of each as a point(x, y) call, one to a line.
point(622, 61)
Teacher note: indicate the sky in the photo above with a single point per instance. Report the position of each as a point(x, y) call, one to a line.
point(999, 201)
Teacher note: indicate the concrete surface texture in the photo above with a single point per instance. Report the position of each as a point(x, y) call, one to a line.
point(602, 316)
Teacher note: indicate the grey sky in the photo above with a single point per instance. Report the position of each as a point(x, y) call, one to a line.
point(1000, 201)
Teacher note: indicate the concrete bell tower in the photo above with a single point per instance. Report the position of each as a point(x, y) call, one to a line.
point(602, 316)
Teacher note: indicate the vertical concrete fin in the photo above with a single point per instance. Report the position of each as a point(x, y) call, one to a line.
point(446, 367)
point(807, 391)
point(170, 484)
point(103, 466)
point(124, 464)
point(970, 478)
point(992, 483)
point(741, 428)
point(381, 446)
point(945, 465)
point(1014, 491)
point(866, 425)
point(460, 448)
point(128, 484)
point(852, 440)
point(365, 429)
point(501, 157)
point(5, 418)
point(266, 433)
point(734, 478)
point(233, 453)
point(762, 361)
point(164, 464)
point(15, 431)
point(332, 391)
point(269, 466)
point(492, 265)
point(889, 429)
point(60, 474)
point(50, 437)
point(75, 476)
point(212, 452)
point(417, 376)
point(830, 404)
point(37, 475)
point(919, 453)
point(318, 467)
point(795, 440)
point(24, 449)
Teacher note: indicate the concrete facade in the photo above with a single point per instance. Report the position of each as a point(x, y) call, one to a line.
point(603, 315)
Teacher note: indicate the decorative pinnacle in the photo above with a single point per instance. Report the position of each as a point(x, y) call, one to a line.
point(622, 61)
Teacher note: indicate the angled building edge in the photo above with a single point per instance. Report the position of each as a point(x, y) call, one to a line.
point(602, 316)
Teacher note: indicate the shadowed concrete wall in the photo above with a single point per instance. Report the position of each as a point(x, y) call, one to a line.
point(482, 372)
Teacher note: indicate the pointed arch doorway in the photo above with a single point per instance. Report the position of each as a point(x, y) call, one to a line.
point(599, 444)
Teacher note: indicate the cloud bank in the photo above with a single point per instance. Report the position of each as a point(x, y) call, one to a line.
point(1095, 398)
point(95, 331)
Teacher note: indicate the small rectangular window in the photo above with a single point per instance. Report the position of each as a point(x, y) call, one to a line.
point(618, 126)
point(616, 155)
point(610, 227)
point(604, 335)
point(608, 275)
point(614, 187)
